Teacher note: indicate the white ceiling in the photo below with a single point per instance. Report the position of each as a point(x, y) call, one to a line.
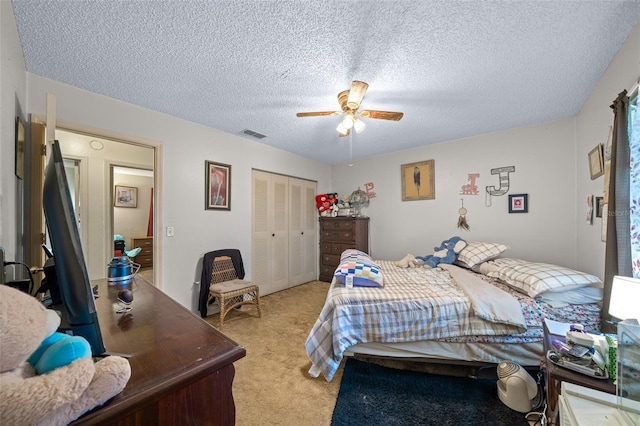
point(455, 68)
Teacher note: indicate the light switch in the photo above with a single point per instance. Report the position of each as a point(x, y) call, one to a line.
point(170, 231)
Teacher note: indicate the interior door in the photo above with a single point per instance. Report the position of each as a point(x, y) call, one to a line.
point(36, 214)
point(270, 241)
point(302, 231)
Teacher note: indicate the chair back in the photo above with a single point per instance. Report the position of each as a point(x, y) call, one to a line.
point(223, 270)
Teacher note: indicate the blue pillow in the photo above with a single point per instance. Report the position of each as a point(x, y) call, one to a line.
point(366, 273)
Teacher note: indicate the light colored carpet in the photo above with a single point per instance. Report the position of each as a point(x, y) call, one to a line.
point(272, 385)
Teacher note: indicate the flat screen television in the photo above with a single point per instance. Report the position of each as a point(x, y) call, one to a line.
point(76, 304)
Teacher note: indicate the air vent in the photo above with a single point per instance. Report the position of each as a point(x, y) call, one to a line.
point(253, 134)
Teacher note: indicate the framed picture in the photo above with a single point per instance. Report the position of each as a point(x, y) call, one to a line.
point(599, 205)
point(20, 138)
point(126, 196)
point(218, 187)
point(418, 181)
point(519, 203)
point(596, 164)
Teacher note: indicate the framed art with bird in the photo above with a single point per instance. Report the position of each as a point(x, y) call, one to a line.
point(418, 181)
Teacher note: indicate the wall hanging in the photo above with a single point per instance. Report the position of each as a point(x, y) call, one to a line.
point(462, 219)
point(470, 188)
point(590, 209)
point(503, 173)
point(218, 186)
point(596, 163)
point(125, 196)
point(519, 203)
point(20, 138)
point(368, 189)
point(418, 181)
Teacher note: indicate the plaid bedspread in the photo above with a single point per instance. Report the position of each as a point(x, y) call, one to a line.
point(415, 304)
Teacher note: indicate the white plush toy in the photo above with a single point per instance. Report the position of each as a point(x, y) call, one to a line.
point(47, 378)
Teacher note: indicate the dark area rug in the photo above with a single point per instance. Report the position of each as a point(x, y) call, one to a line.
point(372, 394)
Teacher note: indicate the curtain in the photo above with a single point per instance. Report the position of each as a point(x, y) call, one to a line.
point(634, 210)
point(618, 244)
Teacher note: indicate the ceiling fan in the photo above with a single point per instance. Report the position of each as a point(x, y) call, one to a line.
point(349, 101)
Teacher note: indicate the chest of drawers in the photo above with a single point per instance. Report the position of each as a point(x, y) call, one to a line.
point(337, 235)
point(145, 257)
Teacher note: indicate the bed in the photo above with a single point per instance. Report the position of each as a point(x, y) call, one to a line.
point(483, 309)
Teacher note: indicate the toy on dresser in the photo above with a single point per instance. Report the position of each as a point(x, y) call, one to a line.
point(46, 377)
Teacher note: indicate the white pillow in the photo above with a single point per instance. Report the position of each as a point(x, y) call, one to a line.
point(578, 296)
point(535, 279)
point(477, 252)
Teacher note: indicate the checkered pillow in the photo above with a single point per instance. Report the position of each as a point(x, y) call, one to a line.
point(535, 279)
point(366, 273)
point(477, 252)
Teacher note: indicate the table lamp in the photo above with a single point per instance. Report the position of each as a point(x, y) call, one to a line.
point(625, 297)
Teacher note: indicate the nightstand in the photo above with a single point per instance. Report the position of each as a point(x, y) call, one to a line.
point(555, 375)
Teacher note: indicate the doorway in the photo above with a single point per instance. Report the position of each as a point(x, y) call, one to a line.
point(132, 214)
point(97, 156)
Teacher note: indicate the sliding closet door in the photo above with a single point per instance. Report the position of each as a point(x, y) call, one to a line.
point(270, 217)
point(302, 231)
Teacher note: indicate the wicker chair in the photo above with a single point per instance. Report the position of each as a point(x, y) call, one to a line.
point(230, 291)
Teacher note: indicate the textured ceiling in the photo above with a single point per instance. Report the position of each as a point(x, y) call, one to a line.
point(455, 68)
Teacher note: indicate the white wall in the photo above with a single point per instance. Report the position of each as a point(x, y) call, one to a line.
point(543, 157)
point(12, 104)
point(185, 147)
point(592, 128)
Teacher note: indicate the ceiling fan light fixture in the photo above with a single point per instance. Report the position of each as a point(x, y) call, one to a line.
point(348, 121)
point(342, 130)
point(359, 125)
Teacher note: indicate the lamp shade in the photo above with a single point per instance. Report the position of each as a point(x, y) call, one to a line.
point(625, 296)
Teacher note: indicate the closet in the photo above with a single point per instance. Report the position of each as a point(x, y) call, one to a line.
point(283, 235)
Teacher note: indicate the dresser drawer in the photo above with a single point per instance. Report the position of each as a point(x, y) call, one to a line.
point(144, 242)
point(337, 235)
point(146, 251)
point(337, 225)
point(326, 272)
point(330, 259)
point(338, 248)
point(144, 261)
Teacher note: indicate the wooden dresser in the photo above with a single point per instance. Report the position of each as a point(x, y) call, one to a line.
point(181, 367)
point(145, 257)
point(338, 234)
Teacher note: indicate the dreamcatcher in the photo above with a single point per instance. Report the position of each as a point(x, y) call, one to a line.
point(462, 219)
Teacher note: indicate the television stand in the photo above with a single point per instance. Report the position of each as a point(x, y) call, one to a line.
point(181, 367)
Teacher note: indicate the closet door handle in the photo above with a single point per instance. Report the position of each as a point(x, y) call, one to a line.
point(273, 235)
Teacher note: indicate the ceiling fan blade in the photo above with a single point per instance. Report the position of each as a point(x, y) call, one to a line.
point(317, 113)
point(358, 89)
point(346, 134)
point(381, 115)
